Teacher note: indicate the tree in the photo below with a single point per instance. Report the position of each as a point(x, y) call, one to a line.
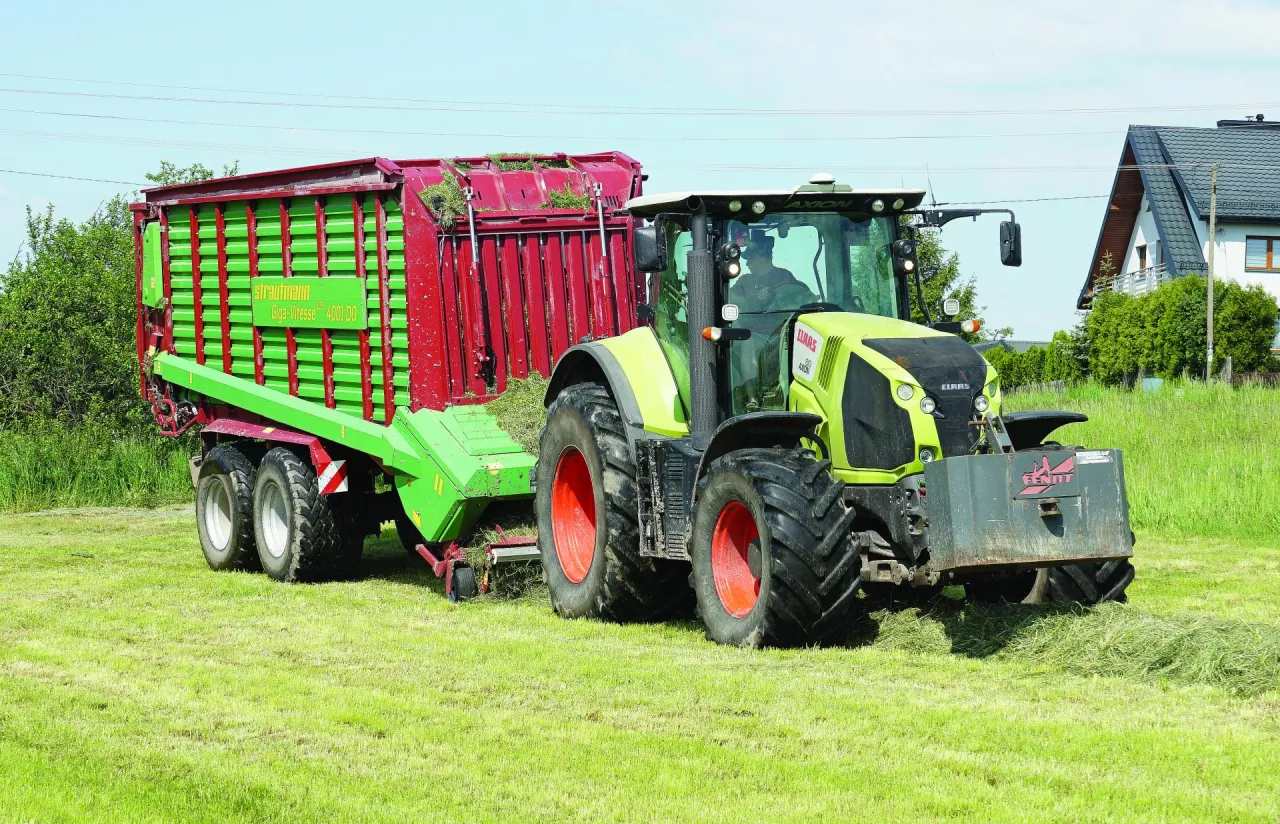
point(170, 173)
point(67, 315)
point(943, 280)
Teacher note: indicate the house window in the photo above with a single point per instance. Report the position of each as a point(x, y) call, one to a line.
point(1142, 257)
point(1262, 254)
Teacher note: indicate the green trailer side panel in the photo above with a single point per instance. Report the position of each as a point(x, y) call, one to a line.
point(152, 267)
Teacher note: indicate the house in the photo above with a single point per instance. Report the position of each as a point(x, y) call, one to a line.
point(1157, 222)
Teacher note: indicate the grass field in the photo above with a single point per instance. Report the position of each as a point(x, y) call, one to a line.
point(136, 685)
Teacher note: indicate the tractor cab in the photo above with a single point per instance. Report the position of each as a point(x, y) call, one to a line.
point(778, 255)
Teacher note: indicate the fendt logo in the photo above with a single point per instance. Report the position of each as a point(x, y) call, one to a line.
point(1041, 478)
point(806, 339)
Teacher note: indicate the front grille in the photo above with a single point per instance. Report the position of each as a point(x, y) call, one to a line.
point(877, 432)
point(952, 372)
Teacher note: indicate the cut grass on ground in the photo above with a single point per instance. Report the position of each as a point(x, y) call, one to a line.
point(136, 685)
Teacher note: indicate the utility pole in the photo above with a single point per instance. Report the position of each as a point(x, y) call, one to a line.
point(1213, 241)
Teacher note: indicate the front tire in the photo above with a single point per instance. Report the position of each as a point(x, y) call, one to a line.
point(299, 536)
point(588, 532)
point(224, 510)
point(1091, 583)
point(774, 562)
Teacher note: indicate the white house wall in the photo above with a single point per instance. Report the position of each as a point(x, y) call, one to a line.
point(1144, 233)
point(1229, 259)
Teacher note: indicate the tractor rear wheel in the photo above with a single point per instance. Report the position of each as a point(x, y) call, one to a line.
point(299, 535)
point(224, 510)
point(588, 531)
point(774, 562)
point(1091, 583)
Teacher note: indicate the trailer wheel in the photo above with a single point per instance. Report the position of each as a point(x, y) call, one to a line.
point(774, 562)
point(588, 532)
point(299, 535)
point(464, 584)
point(1091, 583)
point(224, 510)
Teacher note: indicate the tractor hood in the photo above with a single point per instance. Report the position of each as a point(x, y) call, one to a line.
point(872, 373)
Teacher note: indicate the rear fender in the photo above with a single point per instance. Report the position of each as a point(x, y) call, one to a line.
point(593, 363)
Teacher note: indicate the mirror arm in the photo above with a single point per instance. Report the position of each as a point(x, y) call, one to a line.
point(937, 218)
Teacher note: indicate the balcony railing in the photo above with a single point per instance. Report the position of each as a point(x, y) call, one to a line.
point(1137, 283)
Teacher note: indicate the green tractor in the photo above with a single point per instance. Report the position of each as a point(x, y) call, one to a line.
point(782, 436)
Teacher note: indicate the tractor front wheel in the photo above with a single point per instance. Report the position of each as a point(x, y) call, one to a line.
point(588, 531)
point(774, 562)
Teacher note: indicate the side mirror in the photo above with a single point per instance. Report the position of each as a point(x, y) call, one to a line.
point(650, 244)
point(1010, 243)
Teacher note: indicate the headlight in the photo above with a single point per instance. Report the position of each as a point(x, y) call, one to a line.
point(927, 405)
point(905, 392)
point(991, 389)
point(877, 206)
point(981, 404)
point(758, 207)
point(926, 455)
point(735, 205)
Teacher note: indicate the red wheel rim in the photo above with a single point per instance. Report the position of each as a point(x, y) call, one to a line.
point(573, 515)
point(737, 586)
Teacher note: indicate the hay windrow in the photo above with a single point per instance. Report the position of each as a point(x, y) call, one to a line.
point(519, 410)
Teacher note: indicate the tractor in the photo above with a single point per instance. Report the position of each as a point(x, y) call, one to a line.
point(779, 442)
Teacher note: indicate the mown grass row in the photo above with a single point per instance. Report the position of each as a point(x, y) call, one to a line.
point(1200, 460)
point(1111, 640)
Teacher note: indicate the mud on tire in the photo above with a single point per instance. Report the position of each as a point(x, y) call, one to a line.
point(591, 548)
point(300, 536)
point(224, 510)
point(808, 569)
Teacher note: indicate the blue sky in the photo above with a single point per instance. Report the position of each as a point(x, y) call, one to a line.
point(955, 78)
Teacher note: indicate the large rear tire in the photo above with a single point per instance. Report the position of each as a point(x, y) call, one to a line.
point(588, 532)
point(224, 510)
point(774, 562)
point(299, 535)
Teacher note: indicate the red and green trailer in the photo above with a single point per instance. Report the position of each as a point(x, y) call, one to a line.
point(334, 330)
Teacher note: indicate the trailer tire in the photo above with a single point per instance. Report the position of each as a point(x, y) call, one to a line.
point(224, 510)
point(299, 535)
point(782, 509)
point(593, 566)
point(1091, 583)
point(409, 535)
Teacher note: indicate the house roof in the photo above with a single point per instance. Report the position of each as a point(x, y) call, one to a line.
point(1248, 179)
point(1171, 166)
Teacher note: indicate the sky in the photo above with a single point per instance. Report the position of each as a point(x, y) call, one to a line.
point(974, 101)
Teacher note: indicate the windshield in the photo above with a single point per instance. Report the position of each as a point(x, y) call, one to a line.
point(795, 260)
point(790, 260)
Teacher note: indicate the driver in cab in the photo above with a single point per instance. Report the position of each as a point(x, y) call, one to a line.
point(764, 294)
point(763, 287)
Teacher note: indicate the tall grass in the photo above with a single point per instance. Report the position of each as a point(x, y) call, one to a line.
point(59, 466)
point(1200, 460)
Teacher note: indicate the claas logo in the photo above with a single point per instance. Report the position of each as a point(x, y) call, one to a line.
point(807, 340)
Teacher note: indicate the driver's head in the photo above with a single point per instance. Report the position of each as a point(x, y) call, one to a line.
point(759, 250)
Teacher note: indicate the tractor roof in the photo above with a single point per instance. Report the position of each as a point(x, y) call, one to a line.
point(811, 198)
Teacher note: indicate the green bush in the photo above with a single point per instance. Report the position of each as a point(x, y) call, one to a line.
point(1163, 333)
